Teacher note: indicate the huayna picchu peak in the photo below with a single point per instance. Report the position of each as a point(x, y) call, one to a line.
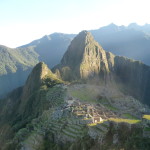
point(91, 100)
point(84, 58)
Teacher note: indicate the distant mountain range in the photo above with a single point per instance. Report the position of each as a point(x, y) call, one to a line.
point(17, 63)
point(132, 41)
point(51, 48)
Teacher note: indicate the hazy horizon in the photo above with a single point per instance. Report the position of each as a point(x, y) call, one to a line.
point(23, 22)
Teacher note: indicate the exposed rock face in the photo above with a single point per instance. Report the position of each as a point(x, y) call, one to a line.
point(94, 58)
point(84, 59)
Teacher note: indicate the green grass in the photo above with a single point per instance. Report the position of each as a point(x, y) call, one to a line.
point(129, 116)
point(83, 94)
point(146, 117)
point(130, 121)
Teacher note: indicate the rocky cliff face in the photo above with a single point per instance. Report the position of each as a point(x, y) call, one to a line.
point(84, 58)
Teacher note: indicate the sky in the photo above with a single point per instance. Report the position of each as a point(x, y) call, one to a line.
point(22, 21)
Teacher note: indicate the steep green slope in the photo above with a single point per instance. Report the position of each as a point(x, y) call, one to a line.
point(28, 102)
point(12, 60)
point(15, 66)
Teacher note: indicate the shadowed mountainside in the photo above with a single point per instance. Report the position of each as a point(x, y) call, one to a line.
point(51, 48)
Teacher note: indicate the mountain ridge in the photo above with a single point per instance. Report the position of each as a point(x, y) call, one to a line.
point(131, 41)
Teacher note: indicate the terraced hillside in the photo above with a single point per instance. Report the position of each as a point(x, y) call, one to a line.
point(68, 126)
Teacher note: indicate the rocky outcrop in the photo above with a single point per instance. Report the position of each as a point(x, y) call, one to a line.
point(84, 58)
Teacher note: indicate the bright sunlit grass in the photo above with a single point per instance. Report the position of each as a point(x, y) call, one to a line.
point(146, 117)
point(130, 121)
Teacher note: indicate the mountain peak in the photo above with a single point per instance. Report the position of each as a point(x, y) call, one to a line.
point(35, 78)
point(83, 58)
point(83, 33)
point(41, 69)
point(86, 36)
point(76, 49)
